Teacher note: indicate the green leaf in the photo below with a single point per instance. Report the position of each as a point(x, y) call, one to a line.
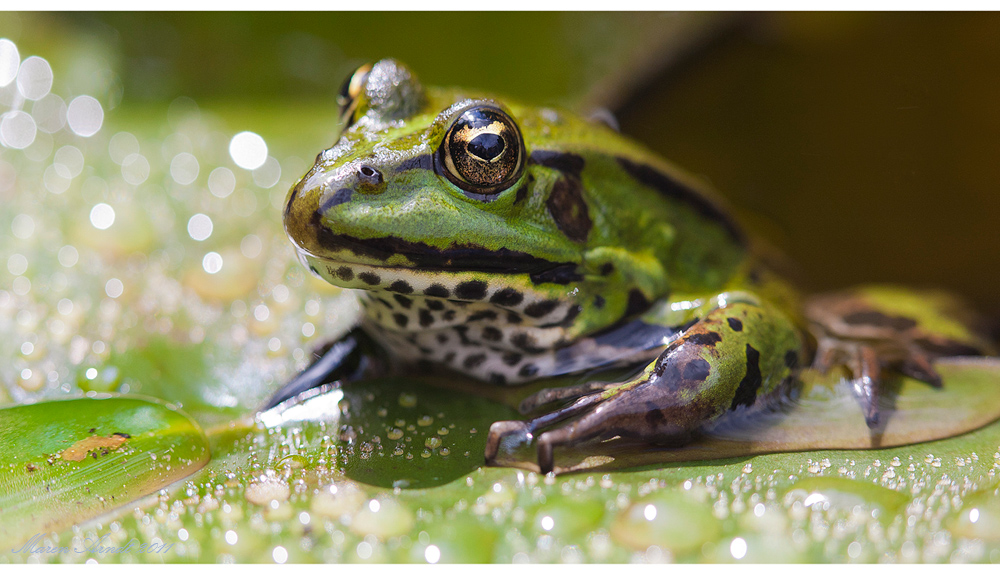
point(68, 461)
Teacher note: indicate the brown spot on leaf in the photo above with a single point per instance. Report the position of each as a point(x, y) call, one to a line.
point(95, 443)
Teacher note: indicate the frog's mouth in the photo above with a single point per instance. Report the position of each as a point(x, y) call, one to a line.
point(420, 257)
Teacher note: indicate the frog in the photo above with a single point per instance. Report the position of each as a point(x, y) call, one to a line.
point(510, 244)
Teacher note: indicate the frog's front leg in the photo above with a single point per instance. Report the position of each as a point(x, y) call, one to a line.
point(728, 360)
point(348, 359)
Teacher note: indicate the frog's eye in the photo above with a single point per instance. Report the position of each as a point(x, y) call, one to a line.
point(482, 152)
point(350, 91)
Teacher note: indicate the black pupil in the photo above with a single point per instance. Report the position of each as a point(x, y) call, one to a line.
point(486, 146)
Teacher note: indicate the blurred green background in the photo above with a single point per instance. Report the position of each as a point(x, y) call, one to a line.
point(862, 145)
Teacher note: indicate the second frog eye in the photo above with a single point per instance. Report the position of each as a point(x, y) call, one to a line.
point(482, 151)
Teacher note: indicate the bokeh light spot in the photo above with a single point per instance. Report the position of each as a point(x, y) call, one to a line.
point(102, 216)
point(85, 116)
point(248, 150)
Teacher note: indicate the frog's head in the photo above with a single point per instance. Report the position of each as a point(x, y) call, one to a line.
point(457, 195)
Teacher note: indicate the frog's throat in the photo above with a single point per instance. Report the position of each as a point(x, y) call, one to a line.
point(548, 304)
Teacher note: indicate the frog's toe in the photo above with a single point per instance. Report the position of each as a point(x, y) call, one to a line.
point(505, 437)
point(551, 395)
point(867, 383)
point(918, 366)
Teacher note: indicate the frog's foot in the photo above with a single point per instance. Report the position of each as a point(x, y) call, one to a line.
point(866, 331)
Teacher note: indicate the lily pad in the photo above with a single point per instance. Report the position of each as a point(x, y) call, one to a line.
point(67, 461)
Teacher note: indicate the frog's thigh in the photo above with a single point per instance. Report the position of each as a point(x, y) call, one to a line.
point(728, 360)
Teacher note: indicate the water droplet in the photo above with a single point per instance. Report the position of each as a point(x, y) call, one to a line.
point(407, 400)
point(680, 523)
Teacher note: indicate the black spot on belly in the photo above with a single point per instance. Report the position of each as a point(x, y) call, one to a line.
point(511, 358)
point(746, 393)
point(528, 370)
point(497, 378)
point(442, 338)
point(400, 286)
point(697, 370)
point(514, 317)
point(473, 361)
point(426, 319)
point(403, 300)
point(792, 359)
point(448, 357)
point(370, 278)
point(569, 209)
point(879, 319)
point(598, 302)
point(637, 303)
point(400, 319)
point(709, 338)
point(541, 308)
point(734, 323)
point(486, 314)
point(508, 297)
point(448, 315)
point(526, 342)
point(437, 290)
point(607, 268)
point(561, 274)
point(492, 334)
point(435, 305)
point(473, 290)
point(345, 273)
point(383, 302)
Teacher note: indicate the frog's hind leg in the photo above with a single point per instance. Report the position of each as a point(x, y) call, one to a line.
point(726, 361)
point(874, 330)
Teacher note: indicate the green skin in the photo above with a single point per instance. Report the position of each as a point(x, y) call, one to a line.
point(595, 233)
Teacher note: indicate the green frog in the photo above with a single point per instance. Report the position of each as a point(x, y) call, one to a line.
point(510, 243)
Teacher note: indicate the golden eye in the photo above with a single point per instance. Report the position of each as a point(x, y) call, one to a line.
point(482, 152)
point(350, 91)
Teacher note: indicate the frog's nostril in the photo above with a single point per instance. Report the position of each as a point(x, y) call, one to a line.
point(369, 175)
